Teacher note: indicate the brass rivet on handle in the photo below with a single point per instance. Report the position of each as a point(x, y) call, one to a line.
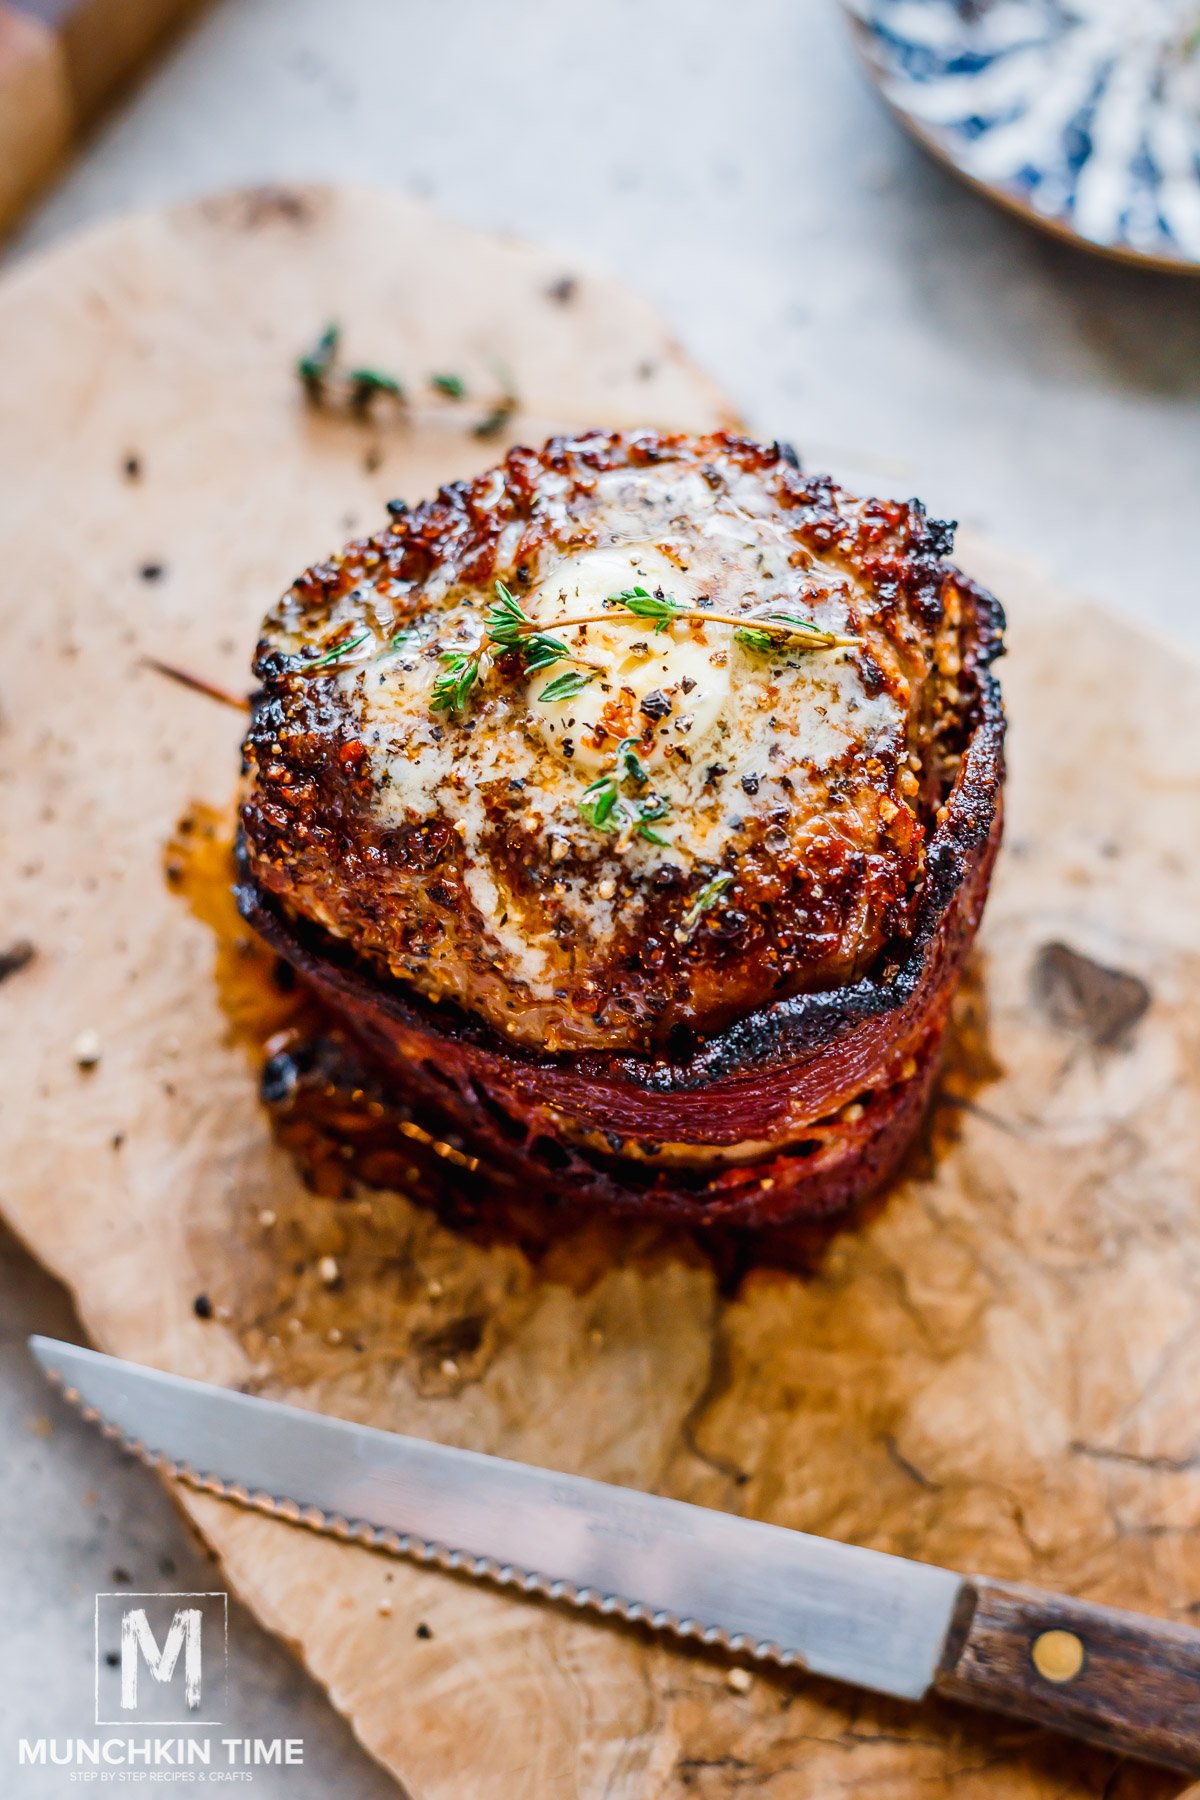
point(1057, 1655)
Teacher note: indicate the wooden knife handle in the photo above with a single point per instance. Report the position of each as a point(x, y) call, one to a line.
point(1112, 1678)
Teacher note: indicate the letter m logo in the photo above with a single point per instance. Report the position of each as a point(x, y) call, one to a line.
point(160, 1658)
point(137, 1641)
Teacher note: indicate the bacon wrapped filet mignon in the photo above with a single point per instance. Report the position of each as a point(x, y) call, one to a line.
point(633, 804)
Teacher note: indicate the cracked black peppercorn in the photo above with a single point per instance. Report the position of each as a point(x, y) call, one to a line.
point(655, 705)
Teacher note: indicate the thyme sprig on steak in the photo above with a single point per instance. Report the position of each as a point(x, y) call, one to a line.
point(508, 627)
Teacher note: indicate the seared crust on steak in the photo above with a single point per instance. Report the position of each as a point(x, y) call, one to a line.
point(795, 790)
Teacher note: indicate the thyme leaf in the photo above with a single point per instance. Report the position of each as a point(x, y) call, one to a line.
point(797, 621)
point(340, 650)
point(541, 652)
point(647, 811)
point(506, 619)
point(494, 422)
point(453, 386)
point(608, 810)
point(630, 766)
point(760, 636)
point(660, 607)
point(364, 384)
point(599, 799)
point(315, 365)
point(453, 686)
point(707, 896)
point(566, 685)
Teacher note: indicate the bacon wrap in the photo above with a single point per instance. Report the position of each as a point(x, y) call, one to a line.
point(794, 1110)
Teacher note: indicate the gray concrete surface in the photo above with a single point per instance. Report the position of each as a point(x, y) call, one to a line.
point(729, 160)
point(78, 1518)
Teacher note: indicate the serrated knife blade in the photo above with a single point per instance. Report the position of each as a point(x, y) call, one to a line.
point(835, 1609)
point(1118, 1679)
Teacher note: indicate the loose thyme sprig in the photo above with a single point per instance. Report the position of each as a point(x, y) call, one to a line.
point(606, 808)
point(324, 379)
point(328, 383)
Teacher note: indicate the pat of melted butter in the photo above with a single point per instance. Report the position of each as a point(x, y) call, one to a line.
point(630, 659)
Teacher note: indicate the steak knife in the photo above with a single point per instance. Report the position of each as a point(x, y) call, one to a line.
point(904, 1628)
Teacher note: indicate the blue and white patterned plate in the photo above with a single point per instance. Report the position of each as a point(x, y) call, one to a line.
point(1084, 115)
